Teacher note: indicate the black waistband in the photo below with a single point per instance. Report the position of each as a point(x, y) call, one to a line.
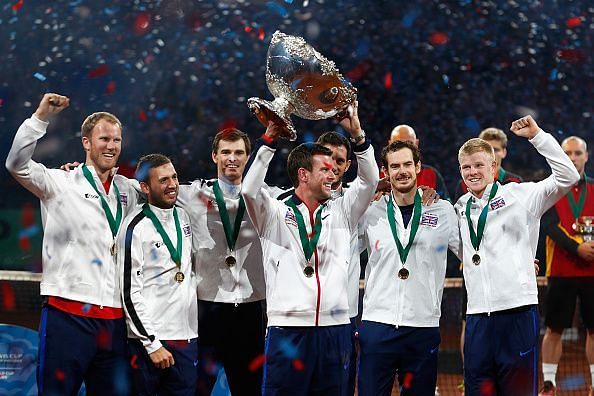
point(523, 308)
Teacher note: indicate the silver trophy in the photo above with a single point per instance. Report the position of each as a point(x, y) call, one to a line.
point(303, 82)
point(584, 227)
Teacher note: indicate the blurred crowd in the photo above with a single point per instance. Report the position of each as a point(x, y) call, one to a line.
point(177, 71)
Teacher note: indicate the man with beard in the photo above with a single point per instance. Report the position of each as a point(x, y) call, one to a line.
point(229, 271)
point(306, 246)
point(158, 286)
point(407, 245)
point(82, 331)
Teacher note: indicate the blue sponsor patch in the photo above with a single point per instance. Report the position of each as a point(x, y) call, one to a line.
point(497, 203)
point(429, 219)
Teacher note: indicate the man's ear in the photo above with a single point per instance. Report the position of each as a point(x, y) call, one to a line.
point(144, 187)
point(86, 143)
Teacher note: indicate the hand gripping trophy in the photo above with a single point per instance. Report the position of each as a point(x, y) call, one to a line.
point(303, 82)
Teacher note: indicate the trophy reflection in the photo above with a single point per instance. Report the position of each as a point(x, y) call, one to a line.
point(302, 82)
point(584, 227)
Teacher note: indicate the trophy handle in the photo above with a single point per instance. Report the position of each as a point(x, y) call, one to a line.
point(279, 111)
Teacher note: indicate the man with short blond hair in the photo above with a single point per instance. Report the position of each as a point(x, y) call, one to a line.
point(501, 348)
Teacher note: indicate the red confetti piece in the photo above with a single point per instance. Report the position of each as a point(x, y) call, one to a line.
point(110, 88)
point(1, 102)
point(487, 388)
point(257, 363)
point(406, 382)
point(8, 298)
point(438, 38)
point(17, 6)
point(261, 34)
point(388, 81)
point(142, 23)
point(133, 360)
point(247, 29)
point(571, 55)
point(103, 339)
point(99, 71)
point(60, 375)
point(359, 71)
point(298, 365)
point(142, 116)
point(573, 22)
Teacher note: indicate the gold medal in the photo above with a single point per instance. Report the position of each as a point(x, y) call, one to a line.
point(308, 271)
point(230, 261)
point(403, 273)
point(476, 259)
point(179, 277)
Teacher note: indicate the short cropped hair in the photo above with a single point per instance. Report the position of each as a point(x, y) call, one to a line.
point(231, 135)
point(302, 157)
point(494, 134)
point(93, 119)
point(476, 145)
point(148, 162)
point(335, 139)
point(397, 146)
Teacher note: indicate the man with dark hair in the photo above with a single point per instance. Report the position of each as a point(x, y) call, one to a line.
point(82, 330)
point(229, 271)
point(407, 245)
point(429, 175)
point(570, 266)
point(158, 285)
point(306, 246)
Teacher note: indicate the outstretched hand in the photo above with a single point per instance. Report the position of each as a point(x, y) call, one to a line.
point(50, 105)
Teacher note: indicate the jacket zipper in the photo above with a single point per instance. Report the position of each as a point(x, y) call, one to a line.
point(318, 298)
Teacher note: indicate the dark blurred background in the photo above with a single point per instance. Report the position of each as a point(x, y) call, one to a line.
point(177, 71)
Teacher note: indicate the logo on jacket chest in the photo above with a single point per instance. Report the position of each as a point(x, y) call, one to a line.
point(497, 203)
point(290, 218)
point(187, 229)
point(124, 199)
point(91, 196)
point(429, 220)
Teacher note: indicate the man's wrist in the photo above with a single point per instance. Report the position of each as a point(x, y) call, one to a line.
point(358, 138)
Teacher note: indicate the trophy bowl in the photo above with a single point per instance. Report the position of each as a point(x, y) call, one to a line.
point(584, 226)
point(302, 82)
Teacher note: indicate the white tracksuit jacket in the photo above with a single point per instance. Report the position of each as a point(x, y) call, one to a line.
point(292, 298)
point(241, 283)
point(157, 307)
point(505, 277)
point(415, 301)
point(77, 262)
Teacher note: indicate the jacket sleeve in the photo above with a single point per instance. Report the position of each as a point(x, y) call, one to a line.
point(33, 176)
point(260, 205)
point(548, 191)
point(551, 227)
point(454, 241)
point(358, 196)
point(130, 257)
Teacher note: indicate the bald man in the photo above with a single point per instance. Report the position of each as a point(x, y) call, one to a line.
point(570, 266)
point(429, 176)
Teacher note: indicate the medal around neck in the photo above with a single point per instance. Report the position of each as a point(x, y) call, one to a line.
point(308, 271)
point(230, 261)
point(303, 82)
point(476, 259)
point(403, 273)
point(179, 277)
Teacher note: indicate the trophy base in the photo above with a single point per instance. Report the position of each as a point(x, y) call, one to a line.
point(279, 111)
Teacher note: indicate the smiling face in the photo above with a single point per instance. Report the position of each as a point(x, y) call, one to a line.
point(320, 179)
point(231, 157)
point(402, 170)
point(477, 170)
point(162, 186)
point(103, 146)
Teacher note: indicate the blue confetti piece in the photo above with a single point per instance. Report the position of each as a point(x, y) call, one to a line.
point(97, 262)
point(29, 231)
point(278, 9)
point(553, 75)
point(86, 308)
point(39, 76)
point(288, 349)
point(446, 79)
point(409, 18)
point(160, 114)
point(289, 1)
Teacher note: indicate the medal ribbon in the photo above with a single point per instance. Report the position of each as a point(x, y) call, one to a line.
point(309, 245)
point(576, 208)
point(414, 226)
point(175, 253)
point(114, 224)
point(231, 234)
point(476, 238)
